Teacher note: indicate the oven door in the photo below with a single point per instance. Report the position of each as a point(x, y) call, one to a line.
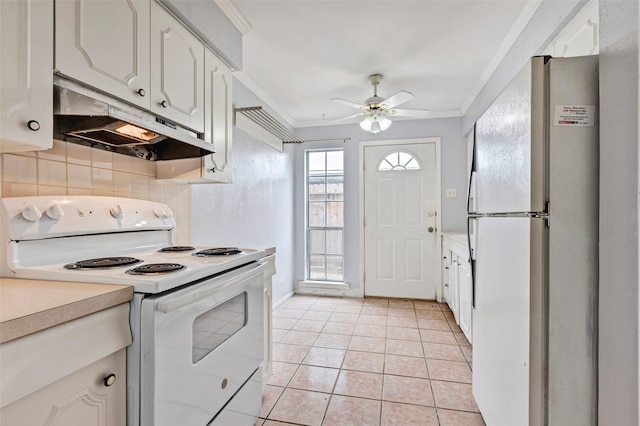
point(200, 344)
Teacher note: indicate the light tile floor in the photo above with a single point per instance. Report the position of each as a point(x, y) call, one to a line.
point(373, 361)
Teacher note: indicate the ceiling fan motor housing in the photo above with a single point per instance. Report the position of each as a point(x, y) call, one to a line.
point(374, 102)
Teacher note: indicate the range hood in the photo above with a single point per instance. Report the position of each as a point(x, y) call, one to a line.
point(85, 116)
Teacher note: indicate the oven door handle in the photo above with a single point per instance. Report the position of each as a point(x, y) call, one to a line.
point(178, 302)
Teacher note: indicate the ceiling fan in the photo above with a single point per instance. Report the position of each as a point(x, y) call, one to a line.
point(377, 110)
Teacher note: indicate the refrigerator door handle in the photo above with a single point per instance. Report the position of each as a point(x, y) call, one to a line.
point(472, 199)
point(472, 257)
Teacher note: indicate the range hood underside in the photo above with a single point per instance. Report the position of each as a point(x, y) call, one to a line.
point(85, 116)
point(164, 149)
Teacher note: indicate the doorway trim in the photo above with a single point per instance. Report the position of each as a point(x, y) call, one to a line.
point(391, 143)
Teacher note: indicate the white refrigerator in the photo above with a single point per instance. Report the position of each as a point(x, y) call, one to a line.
point(533, 235)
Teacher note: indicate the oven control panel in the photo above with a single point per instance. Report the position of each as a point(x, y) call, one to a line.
point(27, 218)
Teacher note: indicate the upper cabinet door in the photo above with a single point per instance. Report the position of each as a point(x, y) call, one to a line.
point(218, 117)
point(26, 98)
point(105, 44)
point(177, 59)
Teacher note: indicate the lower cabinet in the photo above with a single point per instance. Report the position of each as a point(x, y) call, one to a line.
point(457, 280)
point(464, 298)
point(92, 396)
point(73, 374)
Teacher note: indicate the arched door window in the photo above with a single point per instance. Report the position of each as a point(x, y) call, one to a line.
point(397, 161)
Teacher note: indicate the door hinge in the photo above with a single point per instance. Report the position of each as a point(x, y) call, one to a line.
point(364, 277)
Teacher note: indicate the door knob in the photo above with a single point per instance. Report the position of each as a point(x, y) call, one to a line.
point(164, 104)
point(431, 229)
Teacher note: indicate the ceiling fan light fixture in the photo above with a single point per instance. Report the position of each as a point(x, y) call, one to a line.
point(375, 123)
point(377, 110)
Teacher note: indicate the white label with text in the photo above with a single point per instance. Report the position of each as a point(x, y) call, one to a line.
point(574, 115)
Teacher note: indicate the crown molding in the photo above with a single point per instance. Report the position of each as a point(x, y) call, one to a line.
point(235, 15)
point(515, 30)
point(253, 87)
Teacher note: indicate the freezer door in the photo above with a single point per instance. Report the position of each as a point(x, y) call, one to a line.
point(510, 153)
point(508, 273)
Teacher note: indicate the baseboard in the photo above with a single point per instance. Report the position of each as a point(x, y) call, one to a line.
point(281, 301)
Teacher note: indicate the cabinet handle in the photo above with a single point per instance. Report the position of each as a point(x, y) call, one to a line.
point(164, 104)
point(33, 125)
point(141, 92)
point(109, 380)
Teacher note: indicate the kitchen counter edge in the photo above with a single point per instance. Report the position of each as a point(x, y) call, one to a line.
point(29, 306)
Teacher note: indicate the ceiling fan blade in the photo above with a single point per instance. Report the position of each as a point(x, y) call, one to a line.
point(415, 113)
point(348, 103)
point(347, 118)
point(397, 99)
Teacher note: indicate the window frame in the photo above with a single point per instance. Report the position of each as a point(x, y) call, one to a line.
point(326, 227)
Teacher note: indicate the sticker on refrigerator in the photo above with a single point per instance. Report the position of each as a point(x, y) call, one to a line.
point(574, 115)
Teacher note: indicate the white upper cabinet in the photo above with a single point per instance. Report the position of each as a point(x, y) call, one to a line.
point(134, 50)
point(26, 63)
point(218, 125)
point(218, 118)
point(177, 61)
point(105, 44)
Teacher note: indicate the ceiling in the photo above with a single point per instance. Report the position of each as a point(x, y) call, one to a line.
point(298, 54)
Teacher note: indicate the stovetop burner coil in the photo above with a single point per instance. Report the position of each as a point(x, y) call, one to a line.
point(220, 251)
point(173, 249)
point(155, 268)
point(103, 263)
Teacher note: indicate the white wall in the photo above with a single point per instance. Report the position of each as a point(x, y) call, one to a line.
point(255, 211)
point(618, 363)
point(453, 152)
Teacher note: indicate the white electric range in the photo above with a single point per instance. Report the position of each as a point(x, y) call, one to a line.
point(197, 313)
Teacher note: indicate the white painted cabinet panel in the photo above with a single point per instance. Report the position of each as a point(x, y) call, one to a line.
point(218, 120)
point(464, 297)
point(458, 281)
point(81, 398)
point(26, 64)
point(105, 44)
point(218, 127)
point(65, 384)
point(177, 61)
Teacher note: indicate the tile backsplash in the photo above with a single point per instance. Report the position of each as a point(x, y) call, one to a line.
point(70, 169)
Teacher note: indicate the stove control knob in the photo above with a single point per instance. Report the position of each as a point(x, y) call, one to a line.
point(162, 213)
point(55, 212)
point(117, 211)
point(31, 213)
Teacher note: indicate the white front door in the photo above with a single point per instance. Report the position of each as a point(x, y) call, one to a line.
point(400, 218)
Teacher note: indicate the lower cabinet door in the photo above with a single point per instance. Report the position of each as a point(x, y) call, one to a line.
point(92, 396)
point(465, 306)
